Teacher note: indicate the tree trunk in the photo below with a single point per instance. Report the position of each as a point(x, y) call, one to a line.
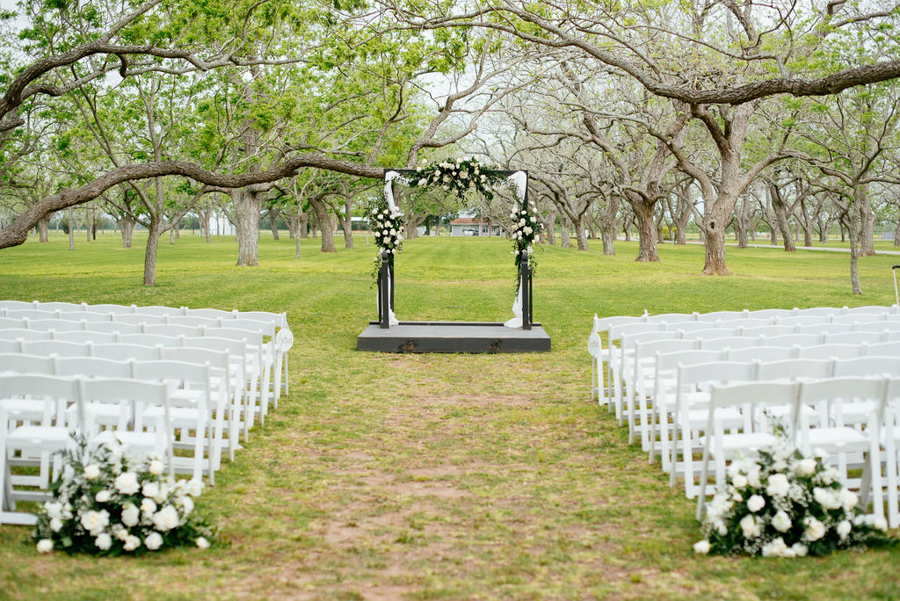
point(853, 229)
point(867, 222)
point(564, 234)
point(71, 228)
point(550, 229)
point(897, 234)
point(581, 234)
point(153, 233)
point(781, 219)
point(172, 232)
point(43, 227)
point(247, 206)
point(293, 227)
point(126, 226)
point(647, 250)
point(273, 223)
point(608, 233)
point(304, 225)
point(714, 224)
point(324, 223)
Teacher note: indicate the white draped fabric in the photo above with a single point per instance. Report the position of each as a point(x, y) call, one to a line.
point(520, 180)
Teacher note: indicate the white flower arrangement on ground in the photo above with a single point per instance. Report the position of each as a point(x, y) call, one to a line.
point(387, 225)
point(786, 505)
point(107, 503)
point(525, 233)
point(458, 176)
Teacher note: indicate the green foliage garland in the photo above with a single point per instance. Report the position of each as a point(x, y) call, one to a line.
point(458, 176)
point(525, 233)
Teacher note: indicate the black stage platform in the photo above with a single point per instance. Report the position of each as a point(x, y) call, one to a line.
point(453, 337)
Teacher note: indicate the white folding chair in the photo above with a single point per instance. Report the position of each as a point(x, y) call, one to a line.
point(762, 353)
point(723, 315)
point(16, 305)
point(115, 327)
point(728, 342)
point(855, 337)
point(21, 396)
point(109, 308)
point(20, 363)
point(55, 347)
point(890, 439)
point(240, 376)
point(121, 351)
point(831, 351)
point(26, 335)
point(257, 361)
point(158, 311)
point(58, 306)
point(56, 325)
point(722, 447)
point(885, 349)
point(84, 337)
point(140, 395)
point(600, 356)
point(108, 415)
point(692, 411)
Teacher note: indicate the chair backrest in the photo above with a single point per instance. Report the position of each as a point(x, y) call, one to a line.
point(58, 306)
point(84, 336)
point(890, 349)
point(771, 314)
point(729, 342)
point(9, 346)
point(85, 316)
point(54, 393)
point(828, 328)
point(800, 340)
point(670, 361)
point(723, 315)
point(795, 369)
point(855, 337)
point(802, 320)
point(767, 331)
point(877, 326)
point(829, 351)
point(11, 323)
point(279, 320)
point(669, 318)
point(120, 351)
point(174, 371)
point(139, 318)
point(753, 396)
point(266, 328)
point(616, 332)
point(867, 366)
point(55, 347)
point(216, 359)
point(58, 325)
point(114, 327)
point(194, 320)
point(721, 330)
point(30, 314)
point(149, 339)
point(819, 311)
point(92, 367)
point(20, 334)
point(109, 308)
point(693, 326)
point(173, 330)
point(25, 364)
point(656, 347)
point(762, 353)
point(603, 324)
point(249, 336)
point(17, 305)
point(722, 372)
point(875, 310)
point(158, 311)
point(834, 392)
point(858, 318)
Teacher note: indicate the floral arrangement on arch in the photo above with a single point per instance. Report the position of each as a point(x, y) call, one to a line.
point(786, 505)
point(525, 233)
point(387, 225)
point(458, 176)
point(107, 503)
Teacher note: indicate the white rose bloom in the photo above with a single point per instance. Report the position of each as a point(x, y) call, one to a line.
point(194, 487)
point(843, 529)
point(701, 547)
point(103, 542)
point(53, 509)
point(445, 187)
point(148, 506)
point(799, 549)
point(119, 532)
point(155, 467)
point(150, 489)
point(805, 467)
point(814, 529)
point(848, 499)
point(92, 471)
point(377, 234)
point(393, 232)
point(749, 526)
point(820, 453)
point(95, 521)
point(131, 543)
point(827, 498)
point(528, 230)
point(781, 521)
point(130, 515)
point(423, 182)
point(879, 523)
point(56, 524)
point(188, 505)
point(103, 496)
point(384, 232)
point(778, 485)
point(45, 545)
point(537, 238)
point(753, 477)
point(165, 519)
point(399, 238)
point(202, 543)
point(755, 503)
point(464, 174)
point(739, 481)
point(154, 541)
point(127, 483)
point(722, 529)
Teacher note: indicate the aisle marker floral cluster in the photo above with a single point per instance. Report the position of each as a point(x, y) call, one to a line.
point(108, 503)
point(786, 505)
point(387, 225)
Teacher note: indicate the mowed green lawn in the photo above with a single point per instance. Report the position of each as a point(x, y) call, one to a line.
point(440, 476)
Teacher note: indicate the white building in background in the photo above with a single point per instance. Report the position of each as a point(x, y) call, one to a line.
point(220, 226)
point(467, 226)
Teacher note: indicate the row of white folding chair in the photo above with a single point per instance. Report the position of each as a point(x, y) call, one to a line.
point(243, 378)
point(880, 394)
point(618, 330)
point(688, 410)
point(194, 376)
point(260, 360)
point(23, 396)
point(658, 374)
point(624, 363)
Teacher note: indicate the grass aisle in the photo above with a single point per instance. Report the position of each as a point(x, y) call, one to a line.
point(440, 476)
